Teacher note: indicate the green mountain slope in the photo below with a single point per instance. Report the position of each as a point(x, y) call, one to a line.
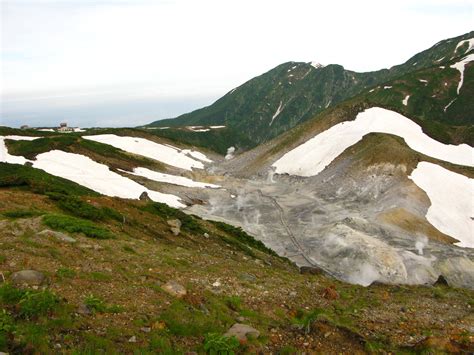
point(291, 93)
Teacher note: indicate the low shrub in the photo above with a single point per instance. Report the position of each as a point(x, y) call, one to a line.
point(35, 304)
point(22, 213)
point(76, 225)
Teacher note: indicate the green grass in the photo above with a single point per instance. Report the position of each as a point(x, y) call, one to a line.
point(76, 225)
point(28, 304)
point(216, 344)
point(96, 304)
point(183, 319)
point(65, 273)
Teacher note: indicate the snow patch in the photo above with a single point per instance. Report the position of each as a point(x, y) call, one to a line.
point(447, 106)
point(471, 45)
point(216, 127)
point(316, 65)
point(405, 100)
point(167, 178)
point(196, 155)
point(97, 177)
point(387, 87)
point(278, 111)
point(452, 202)
point(164, 153)
point(423, 80)
point(460, 66)
point(311, 157)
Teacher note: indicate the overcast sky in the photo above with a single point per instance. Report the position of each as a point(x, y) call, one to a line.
point(129, 62)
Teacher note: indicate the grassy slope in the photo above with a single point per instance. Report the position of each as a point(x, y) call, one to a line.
point(291, 310)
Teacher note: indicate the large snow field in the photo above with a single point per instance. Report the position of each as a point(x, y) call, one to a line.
point(311, 157)
point(141, 146)
point(97, 177)
point(170, 179)
point(452, 201)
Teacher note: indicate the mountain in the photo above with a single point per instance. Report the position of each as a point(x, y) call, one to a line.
point(323, 239)
point(292, 93)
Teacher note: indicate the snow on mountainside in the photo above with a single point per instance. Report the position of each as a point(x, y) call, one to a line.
point(452, 201)
point(8, 158)
point(313, 156)
point(170, 179)
point(167, 154)
point(460, 66)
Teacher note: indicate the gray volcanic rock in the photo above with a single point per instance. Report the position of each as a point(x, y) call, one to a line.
point(28, 278)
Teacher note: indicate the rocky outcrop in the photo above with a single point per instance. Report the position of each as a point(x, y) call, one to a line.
point(242, 332)
point(175, 225)
point(28, 278)
point(174, 289)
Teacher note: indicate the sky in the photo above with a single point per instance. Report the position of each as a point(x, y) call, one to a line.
point(131, 62)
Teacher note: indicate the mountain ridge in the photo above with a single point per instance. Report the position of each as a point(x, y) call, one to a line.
point(293, 92)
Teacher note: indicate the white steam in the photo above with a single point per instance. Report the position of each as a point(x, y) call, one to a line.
point(230, 153)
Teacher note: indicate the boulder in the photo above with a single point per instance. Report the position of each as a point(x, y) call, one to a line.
point(28, 277)
point(144, 197)
point(441, 281)
point(175, 225)
point(58, 235)
point(175, 289)
point(242, 332)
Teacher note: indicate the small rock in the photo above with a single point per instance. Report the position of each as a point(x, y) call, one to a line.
point(146, 329)
point(28, 277)
point(175, 289)
point(240, 319)
point(216, 284)
point(242, 332)
point(58, 235)
point(83, 309)
point(206, 235)
point(175, 225)
point(57, 346)
point(293, 294)
point(133, 339)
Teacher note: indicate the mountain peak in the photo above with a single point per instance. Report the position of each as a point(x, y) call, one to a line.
point(316, 65)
